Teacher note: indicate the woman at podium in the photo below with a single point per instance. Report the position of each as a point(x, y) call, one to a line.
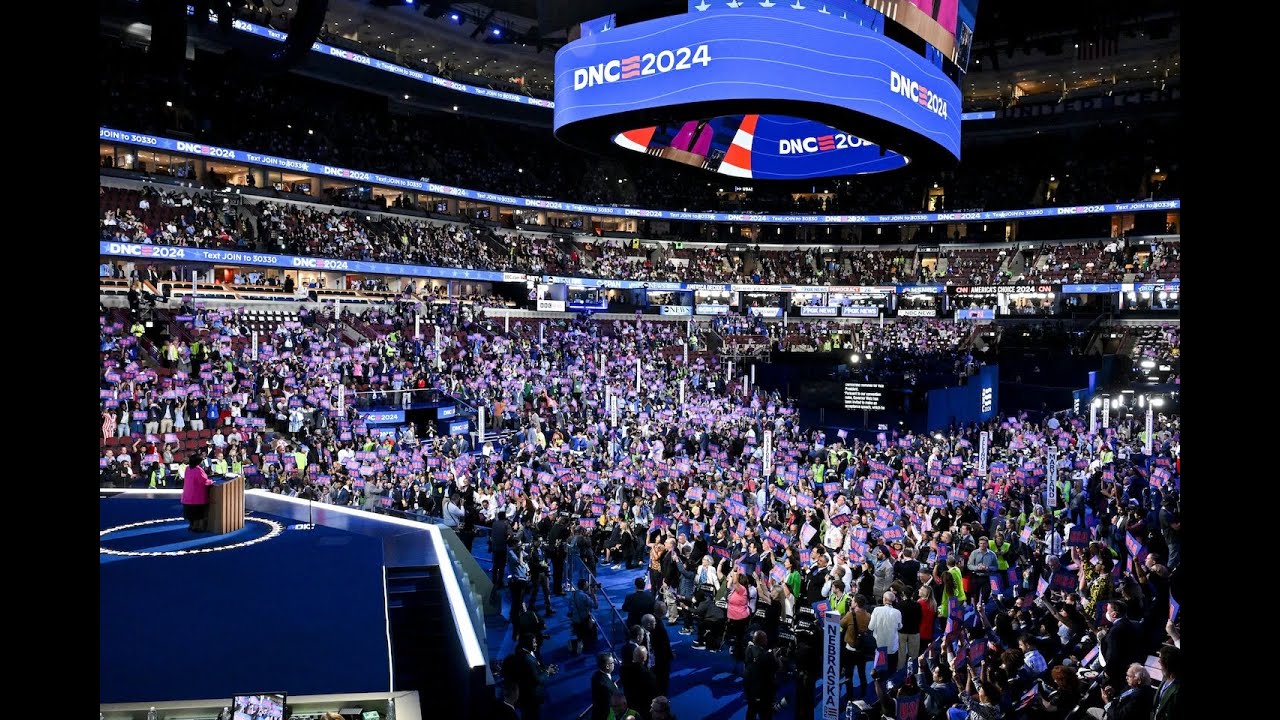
point(195, 494)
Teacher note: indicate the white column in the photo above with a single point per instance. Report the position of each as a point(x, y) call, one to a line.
point(831, 666)
point(342, 400)
point(1106, 413)
point(984, 440)
point(682, 394)
point(768, 452)
point(637, 376)
point(1093, 414)
point(417, 326)
point(1147, 445)
point(753, 373)
point(506, 323)
point(255, 344)
point(480, 419)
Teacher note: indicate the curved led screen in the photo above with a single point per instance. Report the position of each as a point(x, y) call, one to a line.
point(719, 81)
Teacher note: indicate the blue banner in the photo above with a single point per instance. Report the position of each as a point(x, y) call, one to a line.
point(819, 311)
point(444, 412)
point(292, 262)
point(382, 417)
point(459, 427)
point(860, 311)
point(767, 312)
point(1170, 285)
point(1093, 288)
point(599, 25)
point(160, 143)
point(976, 314)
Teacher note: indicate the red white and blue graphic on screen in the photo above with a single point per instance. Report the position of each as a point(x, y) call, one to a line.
point(765, 147)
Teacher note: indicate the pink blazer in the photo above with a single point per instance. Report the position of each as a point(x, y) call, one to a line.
point(195, 487)
point(738, 600)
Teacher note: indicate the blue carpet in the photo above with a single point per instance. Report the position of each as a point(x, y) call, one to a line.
point(302, 613)
point(704, 684)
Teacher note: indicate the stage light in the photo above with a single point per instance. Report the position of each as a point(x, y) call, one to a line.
point(497, 32)
point(454, 17)
point(1157, 402)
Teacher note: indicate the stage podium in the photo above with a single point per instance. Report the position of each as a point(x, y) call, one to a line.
point(226, 506)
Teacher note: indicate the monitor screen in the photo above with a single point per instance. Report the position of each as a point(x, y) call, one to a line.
point(258, 706)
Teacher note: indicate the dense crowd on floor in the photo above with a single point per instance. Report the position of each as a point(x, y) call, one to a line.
point(596, 462)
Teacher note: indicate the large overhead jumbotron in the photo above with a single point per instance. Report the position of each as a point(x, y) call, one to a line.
point(772, 91)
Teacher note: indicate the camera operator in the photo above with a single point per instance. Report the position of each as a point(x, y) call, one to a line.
point(539, 575)
point(808, 659)
point(711, 616)
point(687, 594)
point(517, 582)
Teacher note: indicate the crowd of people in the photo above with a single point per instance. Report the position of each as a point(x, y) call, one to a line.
point(1020, 581)
point(190, 218)
point(306, 119)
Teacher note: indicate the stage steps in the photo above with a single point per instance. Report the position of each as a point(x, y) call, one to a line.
point(418, 617)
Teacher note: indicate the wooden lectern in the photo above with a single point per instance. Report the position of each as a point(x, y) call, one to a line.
point(226, 506)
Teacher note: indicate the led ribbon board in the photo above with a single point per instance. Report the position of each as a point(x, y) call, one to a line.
point(755, 94)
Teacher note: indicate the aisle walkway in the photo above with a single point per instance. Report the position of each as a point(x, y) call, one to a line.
point(703, 683)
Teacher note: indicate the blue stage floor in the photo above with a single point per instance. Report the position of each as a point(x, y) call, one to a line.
point(301, 611)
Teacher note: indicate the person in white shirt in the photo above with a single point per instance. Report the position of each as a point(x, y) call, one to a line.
point(833, 538)
point(707, 573)
point(453, 512)
point(886, 621)
point(345, 454)
point(841, 571)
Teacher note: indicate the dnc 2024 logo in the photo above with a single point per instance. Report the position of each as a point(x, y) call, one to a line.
point(821, 143)
point(917, 93)
point(638, 66)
